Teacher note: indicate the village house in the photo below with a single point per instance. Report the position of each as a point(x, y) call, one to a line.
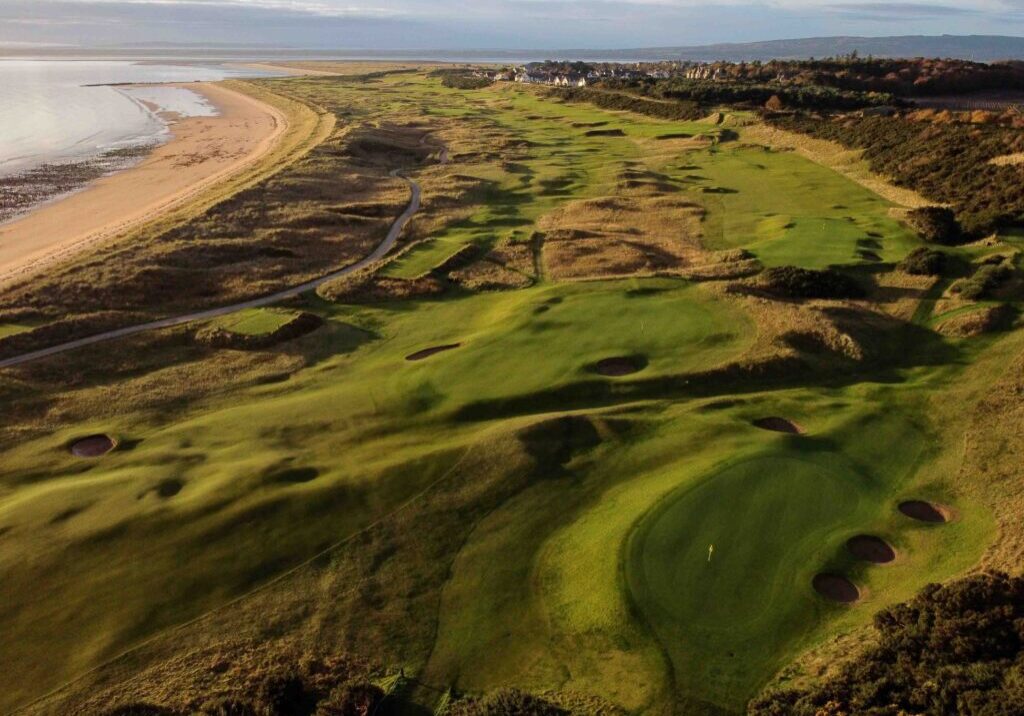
point(704, 72)
point(571, 80)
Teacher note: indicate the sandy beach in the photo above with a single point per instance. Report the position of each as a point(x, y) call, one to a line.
point(202, 152)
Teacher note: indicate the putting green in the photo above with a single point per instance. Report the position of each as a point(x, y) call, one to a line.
point(724, 569)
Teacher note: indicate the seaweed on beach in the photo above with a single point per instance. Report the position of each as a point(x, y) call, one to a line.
point(20, 192)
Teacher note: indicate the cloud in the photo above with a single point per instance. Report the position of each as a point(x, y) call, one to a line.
point(899, 10)
point(460, 24)
point(321, 8)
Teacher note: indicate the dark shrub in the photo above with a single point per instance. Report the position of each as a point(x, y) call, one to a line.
point(229, 707)
point(936, 224)
point(924, 262)
point(984, 281)
point(681, 110)
point(794, 282)
point(138, 710)
point(465, 82)
point(953, 649)
point(509, 702)
point(356, 699)
point(286, 695)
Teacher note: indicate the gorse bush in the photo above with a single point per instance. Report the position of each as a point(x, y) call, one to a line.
point(923, 261)
point(795, 282)
point(679, 110)
point(229, 707)
point(716, 92)
point(984, 281)
point(287, 695)
point(139, 709)
point(936, 224)
point(954, 649)
point(465, 81)
point(509, 702)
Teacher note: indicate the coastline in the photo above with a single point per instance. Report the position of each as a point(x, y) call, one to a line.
point(30, 190)
point(201, 152)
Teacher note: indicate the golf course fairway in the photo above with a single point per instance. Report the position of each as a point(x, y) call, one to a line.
point(567, 438)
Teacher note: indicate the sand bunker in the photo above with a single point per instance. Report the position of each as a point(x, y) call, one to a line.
point(93, 446)
point(605, 133)
point(427, 352)
point(868, 548)
point(620, 365)
point(169, 488)
point(293, 475)
point(836, 588)
point(67, 514)
point(778, 425)
point(925, 511)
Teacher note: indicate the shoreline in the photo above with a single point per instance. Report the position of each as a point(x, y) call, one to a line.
point(30, 190)
point(201, 152)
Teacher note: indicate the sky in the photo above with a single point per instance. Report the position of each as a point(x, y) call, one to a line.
point(487, 24)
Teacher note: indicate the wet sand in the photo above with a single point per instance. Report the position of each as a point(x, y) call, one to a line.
point(202, 152)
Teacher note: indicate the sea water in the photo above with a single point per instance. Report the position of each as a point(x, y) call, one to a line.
point(54, 111)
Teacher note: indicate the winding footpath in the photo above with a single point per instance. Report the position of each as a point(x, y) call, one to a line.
point(382, 249)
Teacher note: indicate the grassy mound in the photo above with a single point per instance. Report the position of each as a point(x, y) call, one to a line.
point(987, 319)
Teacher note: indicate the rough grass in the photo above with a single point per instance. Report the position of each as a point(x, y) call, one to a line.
point(621, 236)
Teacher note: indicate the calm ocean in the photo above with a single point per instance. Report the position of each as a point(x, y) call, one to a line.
point(50, 113)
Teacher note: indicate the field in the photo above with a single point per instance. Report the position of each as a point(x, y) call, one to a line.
point(560, 482)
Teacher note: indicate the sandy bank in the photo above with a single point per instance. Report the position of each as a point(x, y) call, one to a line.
point(202, 152)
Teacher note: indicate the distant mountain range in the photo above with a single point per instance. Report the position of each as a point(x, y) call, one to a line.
point(982, 48)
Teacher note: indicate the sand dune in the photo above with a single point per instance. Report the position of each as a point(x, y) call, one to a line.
point(202, 152)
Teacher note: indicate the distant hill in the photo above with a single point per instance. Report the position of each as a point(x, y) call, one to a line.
point(981, 48)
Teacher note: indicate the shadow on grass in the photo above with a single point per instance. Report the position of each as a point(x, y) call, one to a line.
point(891, 345)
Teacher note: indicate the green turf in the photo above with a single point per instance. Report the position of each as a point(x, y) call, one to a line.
point(784, 208)
point(788, 210)
point(255, 321)
point(12, 329)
